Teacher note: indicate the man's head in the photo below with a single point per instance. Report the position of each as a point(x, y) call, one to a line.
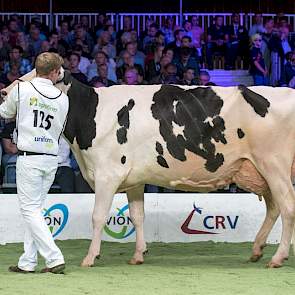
point(15, 53)
point(219, 20)
point(189, 74)
point(131, 76)
point(204, 77)
point(48, 65)
point(102, 71)
point(101, 58)
point(235, 18)
point(186, 41)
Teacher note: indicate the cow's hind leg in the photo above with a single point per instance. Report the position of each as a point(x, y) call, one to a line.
point(136, 208)
point(105, 189)
point(279, 181)
point(272, 213)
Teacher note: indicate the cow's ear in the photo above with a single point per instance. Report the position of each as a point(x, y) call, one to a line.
point(67, 77)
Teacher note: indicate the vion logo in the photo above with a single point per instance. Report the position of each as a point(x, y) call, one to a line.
point(120, 226)
point(208, 222)
point(56, 218)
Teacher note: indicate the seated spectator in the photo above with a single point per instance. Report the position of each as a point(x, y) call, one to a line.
point(257, 27)
point(74, 60)
point(96, 82)
point(102, 58)
point(10, 150)
point(238, 43)
point(204, 78)
point(128, 62)
point(187, 26)
point(35, 40)
point(216, 40)
point(23, 41)
point(12, 75)
point(15, 56)
point(57, 43)
point(288, 71)
point(188, 77)
point(102, 73)
point(186, 61)
point(64, 176)
point(127, 28)
point(64, 31)
point(84, 61)
point(169, 53)
point(138, 56)
point(83, 38)
point(178, 34)
point(5, 48)
point(103, 44)
point(258, 69)
point(131, 77)
point(168, 74)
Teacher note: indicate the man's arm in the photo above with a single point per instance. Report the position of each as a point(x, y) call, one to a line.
point(9, 106)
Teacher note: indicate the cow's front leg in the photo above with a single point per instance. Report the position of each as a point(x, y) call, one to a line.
point(136, 208)
point(104, 193)
point(272, 213)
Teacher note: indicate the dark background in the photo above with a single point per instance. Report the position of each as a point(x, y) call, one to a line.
point(266, 6)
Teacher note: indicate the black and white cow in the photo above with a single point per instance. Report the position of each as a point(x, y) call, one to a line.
point(187, 138)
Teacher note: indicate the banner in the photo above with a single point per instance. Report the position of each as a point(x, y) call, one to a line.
point(168, 218)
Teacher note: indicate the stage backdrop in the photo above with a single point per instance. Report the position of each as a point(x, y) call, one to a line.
point(168, 218)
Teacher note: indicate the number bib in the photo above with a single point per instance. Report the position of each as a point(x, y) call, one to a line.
point(40, 118)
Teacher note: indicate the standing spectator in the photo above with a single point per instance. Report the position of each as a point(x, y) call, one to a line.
point(288, 71)
point(64, 176)
point(188, 77)
point(153, 66)
point(257, 27)
point(74, 60)
point(258, 69)
point(216, 40)
point(168, 30)
point(238, 43)
point(197, 34)
point(150, 40)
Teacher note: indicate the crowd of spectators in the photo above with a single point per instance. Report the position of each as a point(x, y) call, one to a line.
point(100, 56)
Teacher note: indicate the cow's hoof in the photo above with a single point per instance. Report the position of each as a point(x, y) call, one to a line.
point(87, 262)
point(134, 261)
point(272, 264)
point(255, 258)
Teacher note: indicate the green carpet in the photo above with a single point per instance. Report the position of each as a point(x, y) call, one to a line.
point(194, 268)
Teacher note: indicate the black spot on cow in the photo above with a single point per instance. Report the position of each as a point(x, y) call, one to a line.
point(161, 161)
point(241, 133)
point(197, 112)
point(83, 102)
point(123, 120)
point(159, 148)
point(259, 103)
point(123, 160)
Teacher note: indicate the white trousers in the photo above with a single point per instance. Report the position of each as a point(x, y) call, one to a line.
point(34, 177)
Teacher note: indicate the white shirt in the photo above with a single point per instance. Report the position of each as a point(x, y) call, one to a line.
point(41, 112)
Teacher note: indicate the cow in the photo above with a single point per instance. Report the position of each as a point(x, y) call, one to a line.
point(190, 138)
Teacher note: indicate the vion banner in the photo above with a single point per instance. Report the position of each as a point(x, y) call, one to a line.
point(168, 218)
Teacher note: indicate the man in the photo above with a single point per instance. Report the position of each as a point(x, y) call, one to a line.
point(41, 111)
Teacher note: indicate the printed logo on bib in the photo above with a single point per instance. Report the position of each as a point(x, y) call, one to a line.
point(34, 102)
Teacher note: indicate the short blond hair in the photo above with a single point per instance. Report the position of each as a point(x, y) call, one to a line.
point(255, 36)
point(47, 62)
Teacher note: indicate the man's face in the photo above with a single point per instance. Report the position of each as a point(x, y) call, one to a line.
point(236, 19)
point(100, 59)
point(189, 75)
point(15, 54)
point(204, 79)
point(219, 21)
point(13, 26)
point(131, 77)
point(185, 42)
point(103, 71)
point(152, 31)
point(131, 49)
point(74, 61)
